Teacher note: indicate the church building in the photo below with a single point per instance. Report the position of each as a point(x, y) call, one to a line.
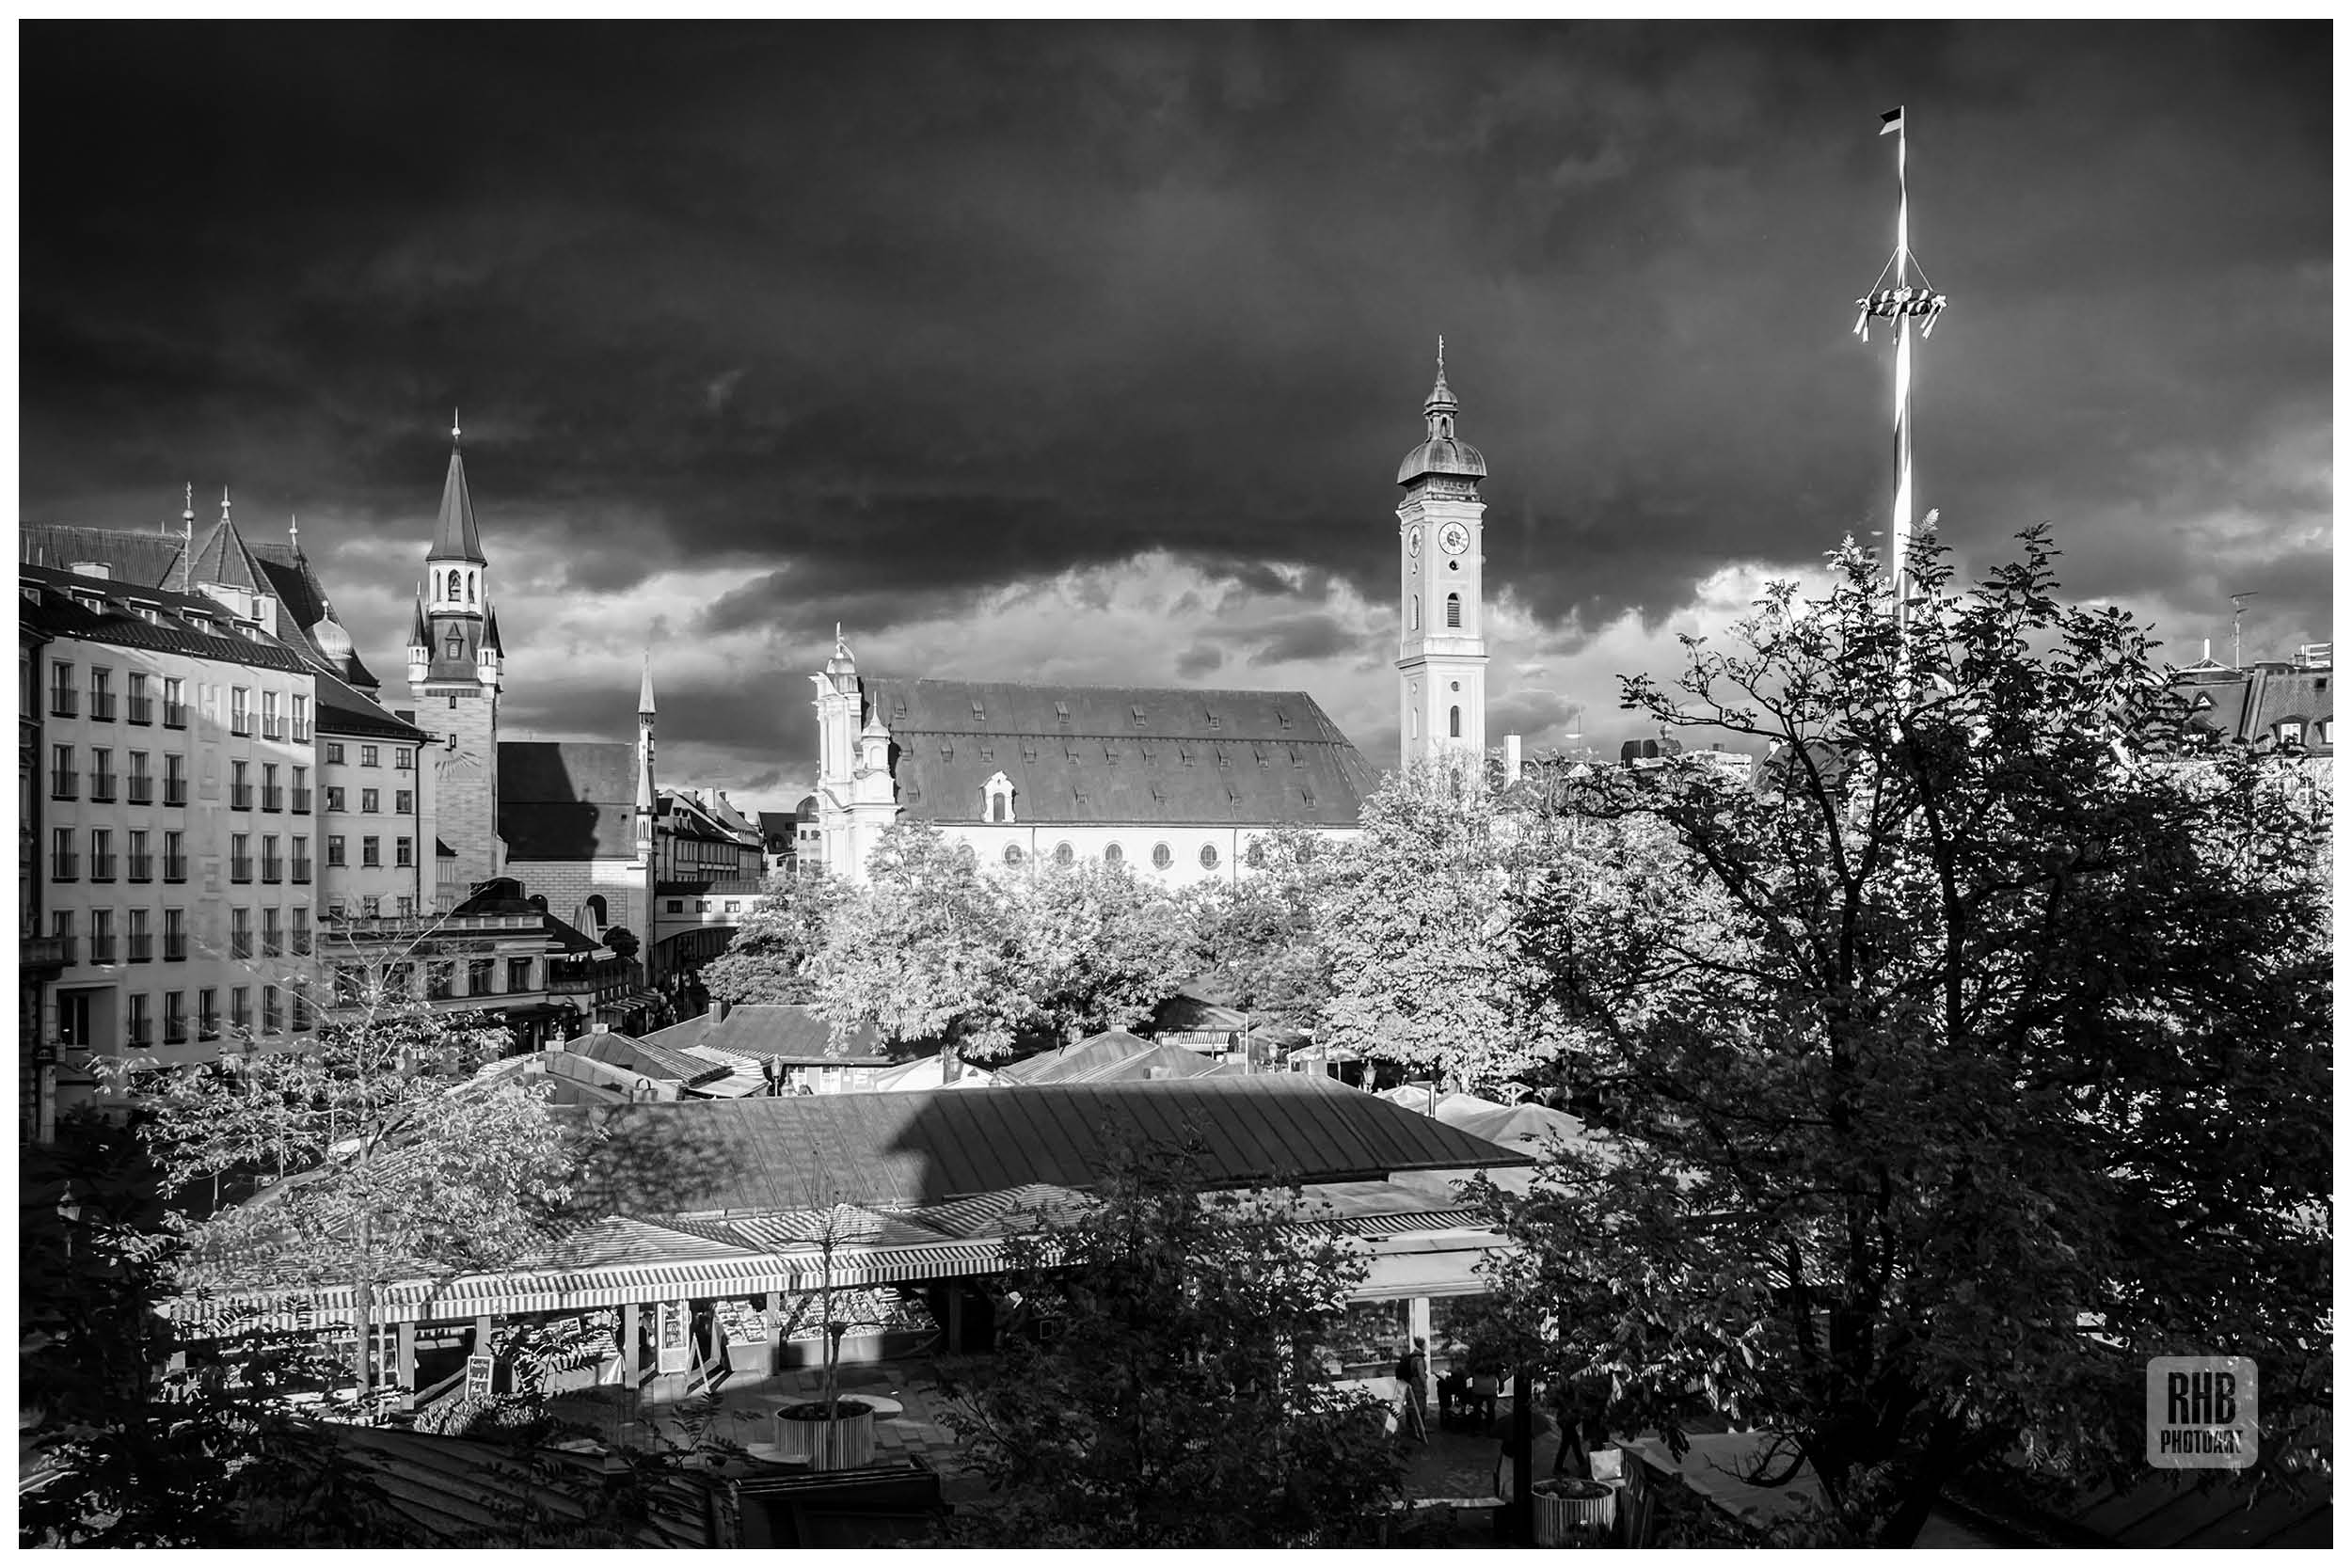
point(1172, 781)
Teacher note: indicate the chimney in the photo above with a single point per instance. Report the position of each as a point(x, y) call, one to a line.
point(1511, 765)
point(600, 1028)
point(724, 1008)
point(90, 569)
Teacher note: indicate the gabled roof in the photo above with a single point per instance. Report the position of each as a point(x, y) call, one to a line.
point(455, 536)
point(221, 557)
point(1112, 1056)
point(1146, 755)
point(567, 800)
point(643, 1057)
point(786, 1033)
point(927, 1147)
point(345, 710)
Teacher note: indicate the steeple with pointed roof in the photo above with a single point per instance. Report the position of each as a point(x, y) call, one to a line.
point(455, 669)
point(455, 536)
point(647, 797)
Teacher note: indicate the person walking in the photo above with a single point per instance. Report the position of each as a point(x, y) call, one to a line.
point(1412, 1371)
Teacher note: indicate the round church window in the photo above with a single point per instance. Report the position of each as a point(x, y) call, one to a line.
point(1208, 857)
point(1162, 856)
point(1012, 854)
point(1063, 853)
point(1113, 855)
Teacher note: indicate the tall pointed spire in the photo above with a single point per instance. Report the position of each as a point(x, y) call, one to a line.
point(293, 533)
point(455, 536)
point(644, 691)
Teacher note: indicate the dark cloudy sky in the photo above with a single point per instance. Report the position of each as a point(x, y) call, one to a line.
point(1088, 353)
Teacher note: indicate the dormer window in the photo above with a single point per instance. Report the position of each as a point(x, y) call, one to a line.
point(1139, 713)
point(1282, 717)
point(2290, 732)
point(455, 643)
point(979, 714)
point(1028, 751)
point(1212, 719)
point(996, 799)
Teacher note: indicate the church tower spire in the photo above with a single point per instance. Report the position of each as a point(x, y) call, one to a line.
point(1441, 527)
point(648, 799)
point(455, 669)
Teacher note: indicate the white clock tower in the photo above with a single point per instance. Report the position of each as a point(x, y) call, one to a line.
point(1440, 535)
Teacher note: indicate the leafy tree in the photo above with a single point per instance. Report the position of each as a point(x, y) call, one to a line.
point(1100, 947)
point(1258, 943)
point(1981, 1055)
point(771, 956)
point(400, 1165)
point(1166, 1389)
point(928, 949)
point(1430, 969)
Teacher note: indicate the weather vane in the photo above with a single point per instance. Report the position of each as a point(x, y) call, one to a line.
point(1902, 303)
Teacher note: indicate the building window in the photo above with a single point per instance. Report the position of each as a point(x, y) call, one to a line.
point(1453, 610)
point(404, 803)
point(1065, 853)
point(1162, 856)
point(335, 798)
point(518, 974)
point(1454, 723)
point(241, 933)
point(301, 932)
point(65, 865)
point(1208, 857)
point(367, 756)
point(334, 849)
point(142, 866)
point(301, 717)
point(596, 915)
point(208, 1014)
point(371, 850)
point(141, 706)
point(102, 695)
point(64, 784)
point(273, 934)
point(142, 940)
point(1113, 855)
point(102, 936)
point(174, 779)
point(404, 851)
point(140, 1026)
point(240, 857)
point(61, 693)
point(334, 751)
point(273, 725)
point(240, 710)
point(175, 856)
point(481, 976)
point(2290, 732)
point(301, 788)
point(404, 759)
point(175, 703)
point(369, 799)
point(101, 855)
point(272, 1020)
point(677, 906)
point(240, 1007)
point(1415, 624)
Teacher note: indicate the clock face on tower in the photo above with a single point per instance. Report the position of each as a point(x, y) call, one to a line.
point(1453, 539)
point(1412, 539)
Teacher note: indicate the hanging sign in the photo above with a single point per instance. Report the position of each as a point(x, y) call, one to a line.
point(481, 1376)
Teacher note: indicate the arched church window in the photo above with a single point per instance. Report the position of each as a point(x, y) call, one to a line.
point(469, 588)
point(1454, 723)
point(1453, 610)
point(452, 587)
point(1416, 622)
point(596, 920)
point(1162, 856)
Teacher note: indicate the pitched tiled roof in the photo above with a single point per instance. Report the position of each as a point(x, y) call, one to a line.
point(933, 1146)
point(1114, 1055)
point(567, 800)
point(179, 630)
point(1147, 755)
point(135, 555)
point(345, 710)
point(221, 557)
point(643, 1057)
point(2249, 705)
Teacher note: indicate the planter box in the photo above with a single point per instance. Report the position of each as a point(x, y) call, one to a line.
point(843, 1444)
point(1574, 1521)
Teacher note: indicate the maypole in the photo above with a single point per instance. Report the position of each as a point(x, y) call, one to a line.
point(1902, 304)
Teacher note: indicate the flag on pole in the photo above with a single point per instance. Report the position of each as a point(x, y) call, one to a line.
point(1891, 120)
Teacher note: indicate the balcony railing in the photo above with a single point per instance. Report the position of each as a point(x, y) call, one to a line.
point(273, 798)
point(102, 948)
point(273, 869)
point(64, 784)
point(101, 868)
point(142, 948)
point(240, 796)
point(139, 1031)
point(66, 867)
point(208, 1028)
point(302, 802)
point(241, 723)
point(140, 868)
point(175, 716)
point(142, 710)
point(61, 701)
point(241, 869)
point(302, 943)
point(301, 871)
point(175, 792)
point(175, 948)
point(102, 786)
point(175, 868)
point(273, 946)
point(44, 952)
point(302, 729)
point(142, 790)
point(272, 729)
point(175, 1031)
point(241, 944)
point(102, 706)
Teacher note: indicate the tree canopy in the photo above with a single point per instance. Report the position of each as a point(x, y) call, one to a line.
point(1979, 1056)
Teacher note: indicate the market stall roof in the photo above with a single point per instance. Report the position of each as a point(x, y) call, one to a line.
point(1112, 1056)
point(796, 1036)
point(928, 1147)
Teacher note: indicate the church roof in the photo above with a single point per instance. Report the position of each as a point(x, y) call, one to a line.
point(567, 800)
point(1119, 755)
point(455, 536)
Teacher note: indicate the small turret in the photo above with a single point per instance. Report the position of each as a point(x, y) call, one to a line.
point(490, 658)
point(419, 642)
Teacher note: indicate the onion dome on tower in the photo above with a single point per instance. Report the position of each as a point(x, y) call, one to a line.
point(1441, 453)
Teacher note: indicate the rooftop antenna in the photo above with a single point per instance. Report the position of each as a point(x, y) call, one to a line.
point(2238, 626)
point(293, 533)
point(1902, 304)
point(187, 532)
